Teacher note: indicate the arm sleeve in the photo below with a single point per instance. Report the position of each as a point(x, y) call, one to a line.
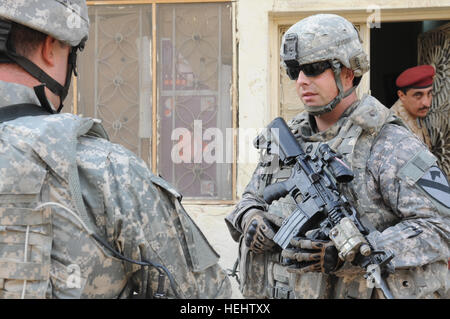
point(251, 199)
point(146, 221)
point(422, 234)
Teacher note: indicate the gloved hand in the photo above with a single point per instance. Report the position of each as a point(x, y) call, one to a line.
point(311, 255)
point(258, 231)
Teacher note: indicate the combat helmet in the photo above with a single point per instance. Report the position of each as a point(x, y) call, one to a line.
point(65, 20)
point(324, 37)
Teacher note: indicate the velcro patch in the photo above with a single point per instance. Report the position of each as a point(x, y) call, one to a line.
point(415, 168)
point(434, 182)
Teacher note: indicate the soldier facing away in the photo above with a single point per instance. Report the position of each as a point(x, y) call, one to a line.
point(400, 194)
point(81, 217)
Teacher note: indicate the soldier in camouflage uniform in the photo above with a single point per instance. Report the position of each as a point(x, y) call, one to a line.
point(399, 192)
point(415, 88)
point(81, 217)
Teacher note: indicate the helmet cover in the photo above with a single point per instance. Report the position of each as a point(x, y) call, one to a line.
point(65, 20)
point(324, 37)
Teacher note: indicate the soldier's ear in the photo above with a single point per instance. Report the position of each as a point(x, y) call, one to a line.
point(48, 50)
point(400, 94)
point(347, 76)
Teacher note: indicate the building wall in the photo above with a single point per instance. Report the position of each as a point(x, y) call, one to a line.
point(210, 219)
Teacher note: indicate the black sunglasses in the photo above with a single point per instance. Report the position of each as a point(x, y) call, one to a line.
point(311, 69)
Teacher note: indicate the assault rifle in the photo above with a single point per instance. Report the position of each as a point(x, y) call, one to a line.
point(320, 205)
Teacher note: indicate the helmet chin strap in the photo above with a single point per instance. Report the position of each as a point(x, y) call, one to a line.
point(56, 87)
point(319, 110)
point(7, 54)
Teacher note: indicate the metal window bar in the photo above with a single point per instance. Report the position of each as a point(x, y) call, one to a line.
point(153, 57)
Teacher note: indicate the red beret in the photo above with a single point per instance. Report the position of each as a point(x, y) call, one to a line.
point(417, 77)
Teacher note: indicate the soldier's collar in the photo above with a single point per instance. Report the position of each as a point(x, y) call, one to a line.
point(334, 129)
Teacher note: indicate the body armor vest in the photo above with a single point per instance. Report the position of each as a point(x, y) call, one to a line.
point(25, 231)
point(26, 234)
point(39, 149)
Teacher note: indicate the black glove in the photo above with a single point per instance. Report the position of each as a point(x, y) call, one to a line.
point(258, 231)
point(311, 255)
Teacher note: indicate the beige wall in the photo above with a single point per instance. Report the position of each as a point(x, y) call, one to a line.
point(210, 219)
point(257, 23)
point(325, 5)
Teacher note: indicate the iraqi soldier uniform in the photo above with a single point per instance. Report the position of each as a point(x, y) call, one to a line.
point(418, 77)
point(393, 191)
point(81, 217)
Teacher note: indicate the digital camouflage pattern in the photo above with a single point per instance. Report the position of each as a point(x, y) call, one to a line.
point(65, 20)
point(323, 37)
point(63, 162)
point(384, 156)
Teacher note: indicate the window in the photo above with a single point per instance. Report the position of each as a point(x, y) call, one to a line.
point(114, 81)
point(195, 71)
point(159, 76)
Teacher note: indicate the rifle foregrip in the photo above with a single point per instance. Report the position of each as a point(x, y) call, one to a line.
point(274, 191)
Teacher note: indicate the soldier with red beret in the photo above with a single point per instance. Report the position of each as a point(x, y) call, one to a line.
point(415, 86)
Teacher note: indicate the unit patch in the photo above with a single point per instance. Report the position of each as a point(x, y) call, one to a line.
point(434, 182)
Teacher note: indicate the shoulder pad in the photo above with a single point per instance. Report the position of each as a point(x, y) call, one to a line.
point(370, 115)
point(17, 162)
point(297, 121)
point(97, 130)
point(166, 186)
point(52, 137)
